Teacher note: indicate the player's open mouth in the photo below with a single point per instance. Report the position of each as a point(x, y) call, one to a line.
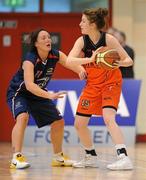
point(48, 45)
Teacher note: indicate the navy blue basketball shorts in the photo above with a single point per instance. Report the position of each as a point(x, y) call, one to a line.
point(42, 110)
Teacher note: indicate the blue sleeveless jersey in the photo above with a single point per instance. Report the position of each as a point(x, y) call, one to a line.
point(43, 72)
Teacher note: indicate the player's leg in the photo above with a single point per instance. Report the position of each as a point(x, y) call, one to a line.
point(51, 116)
point(18, 132)
point(109, 115)
point(81, 125)
point(89, 103)
point(18, 106)
point(110, 100)
point(57, 134)
point(18, 160)
point(123, 161)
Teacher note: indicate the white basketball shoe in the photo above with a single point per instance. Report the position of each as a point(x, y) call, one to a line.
point(19, 162)
point(88, 161)
point(123, 163)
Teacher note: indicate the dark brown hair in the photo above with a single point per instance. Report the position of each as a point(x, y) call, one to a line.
point(33, 38)
point(97, 16)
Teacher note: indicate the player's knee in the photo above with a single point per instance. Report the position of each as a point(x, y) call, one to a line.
point(58, 124)
point(78, 126)
point(108, 120)
point(22, 119)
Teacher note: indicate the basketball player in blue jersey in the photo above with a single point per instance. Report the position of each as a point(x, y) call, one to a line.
point(27, 95)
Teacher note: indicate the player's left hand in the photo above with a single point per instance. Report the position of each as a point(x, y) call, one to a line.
point(118, 63)
point(57, 95)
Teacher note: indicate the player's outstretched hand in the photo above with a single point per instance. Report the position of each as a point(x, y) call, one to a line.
point(82, 74)
point(57, 95)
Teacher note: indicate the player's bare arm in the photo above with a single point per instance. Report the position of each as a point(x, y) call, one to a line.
point(125, 59)
point(28, 68)
point(74, 55)
point(77, 69)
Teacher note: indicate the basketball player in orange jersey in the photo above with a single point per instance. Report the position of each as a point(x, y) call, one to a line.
point(101, 93)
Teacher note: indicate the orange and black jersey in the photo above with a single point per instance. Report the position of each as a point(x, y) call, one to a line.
point(89, 46)
point(95, 74)
point(103, 87)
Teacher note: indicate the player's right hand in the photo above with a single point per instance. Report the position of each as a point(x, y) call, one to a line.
point(94, 54)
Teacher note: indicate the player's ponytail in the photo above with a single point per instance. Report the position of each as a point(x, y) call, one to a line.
point(97, 16)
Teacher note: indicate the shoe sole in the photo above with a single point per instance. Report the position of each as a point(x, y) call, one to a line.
point(12, 166)
point(120, 169)
point(61, 165)
point(85, 166)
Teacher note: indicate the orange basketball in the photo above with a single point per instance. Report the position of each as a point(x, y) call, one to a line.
point(106, 57)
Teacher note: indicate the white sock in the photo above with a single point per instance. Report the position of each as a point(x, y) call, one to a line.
point(58, 154)
point(120, 146)
point(89, 149)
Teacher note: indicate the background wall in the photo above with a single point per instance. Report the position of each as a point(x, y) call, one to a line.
point(130, 17)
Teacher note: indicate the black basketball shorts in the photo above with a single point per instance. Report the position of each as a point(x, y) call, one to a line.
point(42, 110)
